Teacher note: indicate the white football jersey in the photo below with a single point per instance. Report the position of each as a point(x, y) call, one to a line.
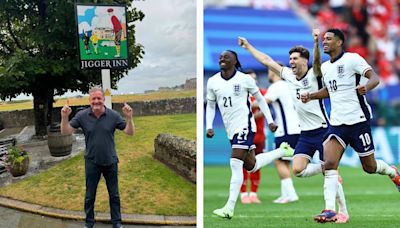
point(233, 99)
point(312, 114)
point(341, 78)
point(285, 117)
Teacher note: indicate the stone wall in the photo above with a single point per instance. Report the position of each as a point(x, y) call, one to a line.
point(18, 118)
point(21, 118)
point(177, 153)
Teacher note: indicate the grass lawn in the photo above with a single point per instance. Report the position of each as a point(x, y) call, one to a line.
point(103, 52)
point(28, 104)
point(372, 201)
point(146, 186)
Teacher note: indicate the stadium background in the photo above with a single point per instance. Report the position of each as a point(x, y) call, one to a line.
point(274, 26)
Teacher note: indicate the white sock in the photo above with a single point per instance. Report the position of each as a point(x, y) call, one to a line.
point(310, 170)
point(341, 199)
point(264, 159)
point(253, 194)
point(288, 188)
point(330, 188)
point(384, 169)
point(236, 182)
point(284, 193)
point(243, 194)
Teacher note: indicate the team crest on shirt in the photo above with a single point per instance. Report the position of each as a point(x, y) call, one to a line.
point(340, 70)
point(305, 82)
point(236, 89)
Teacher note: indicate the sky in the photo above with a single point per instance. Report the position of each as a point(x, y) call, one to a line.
point(90, 17)
point(168, 34)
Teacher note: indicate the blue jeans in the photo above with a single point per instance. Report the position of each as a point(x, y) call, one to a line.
point(92, 174)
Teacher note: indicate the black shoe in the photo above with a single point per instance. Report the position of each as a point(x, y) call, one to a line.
point(119, 225)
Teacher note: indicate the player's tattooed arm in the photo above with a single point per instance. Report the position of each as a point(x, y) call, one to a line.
point(317, 54)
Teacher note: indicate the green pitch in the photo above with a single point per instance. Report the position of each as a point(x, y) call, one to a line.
point(103, 51)
point(372, 200)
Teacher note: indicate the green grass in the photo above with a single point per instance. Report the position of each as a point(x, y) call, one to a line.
point(146, 185)
point(102, 50)
point(372, 201)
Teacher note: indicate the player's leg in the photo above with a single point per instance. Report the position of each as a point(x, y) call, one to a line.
point(255, 182)
point(362, 142)
point(281, 170)
point(240, 151)
point(244, 195)
point(254, 163)
point(370, 165)
point(343, 215)
point(303, 168)
point(309, 142)
point(288, 192)
point(236, 163)
point(256, 176)
point(333, 151)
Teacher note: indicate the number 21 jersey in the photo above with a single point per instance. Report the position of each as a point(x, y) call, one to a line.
point(232, 96)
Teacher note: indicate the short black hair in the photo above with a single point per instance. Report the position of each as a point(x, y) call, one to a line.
point(237, 65)
point(302, 50)
point(338, 33)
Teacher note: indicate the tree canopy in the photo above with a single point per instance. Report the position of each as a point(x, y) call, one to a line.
point(39, 52)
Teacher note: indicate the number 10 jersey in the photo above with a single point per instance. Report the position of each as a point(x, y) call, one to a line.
point(341, 77)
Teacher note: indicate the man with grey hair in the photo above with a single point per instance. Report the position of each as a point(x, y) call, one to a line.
point(98, 124)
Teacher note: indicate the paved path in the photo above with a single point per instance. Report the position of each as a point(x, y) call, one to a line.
point(19, 214)
point(11, 218)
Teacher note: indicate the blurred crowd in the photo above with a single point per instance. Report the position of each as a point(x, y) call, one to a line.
point(372, 28)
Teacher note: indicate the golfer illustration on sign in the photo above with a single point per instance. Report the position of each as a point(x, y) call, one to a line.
point(117, 29)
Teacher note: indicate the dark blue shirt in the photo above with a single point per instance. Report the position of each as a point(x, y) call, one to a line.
point(99, 134)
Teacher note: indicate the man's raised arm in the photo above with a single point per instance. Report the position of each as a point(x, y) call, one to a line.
point(263, 58)
point(65, 126)
point(317, 54)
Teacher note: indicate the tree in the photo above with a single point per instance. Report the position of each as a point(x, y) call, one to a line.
point(39, 56)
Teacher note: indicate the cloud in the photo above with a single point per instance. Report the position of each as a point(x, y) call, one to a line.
point(81, 10)
point(84, 26)
point(168, 33)
point(102, 18)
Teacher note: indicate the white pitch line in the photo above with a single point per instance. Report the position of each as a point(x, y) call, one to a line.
point(294, 216)
point(360, 193)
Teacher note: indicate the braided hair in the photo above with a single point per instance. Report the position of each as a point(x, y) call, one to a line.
point(238, 66)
